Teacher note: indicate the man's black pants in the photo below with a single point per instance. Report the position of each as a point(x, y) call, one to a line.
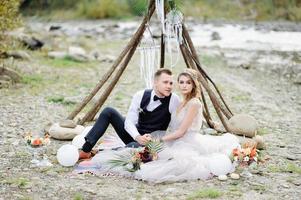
point(107, 116)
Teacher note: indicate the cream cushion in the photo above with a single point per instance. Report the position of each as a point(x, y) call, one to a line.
point(243, 124)
point(62, 133)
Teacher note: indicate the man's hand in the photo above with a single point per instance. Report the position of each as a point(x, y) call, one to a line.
point(143, 139)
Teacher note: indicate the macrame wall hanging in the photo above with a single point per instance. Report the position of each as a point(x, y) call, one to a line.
point(149, 58)
point(160, 13)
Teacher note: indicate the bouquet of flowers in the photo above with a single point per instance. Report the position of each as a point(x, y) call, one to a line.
point(246, 155)
point(36, 142)
point(131, 161)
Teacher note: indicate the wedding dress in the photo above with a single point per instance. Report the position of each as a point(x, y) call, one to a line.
point(193, 156)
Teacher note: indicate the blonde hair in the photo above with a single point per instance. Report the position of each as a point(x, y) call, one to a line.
point(194, 76)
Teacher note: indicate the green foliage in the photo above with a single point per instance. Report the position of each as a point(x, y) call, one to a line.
point(137, 7)
point(263, 131)
point(33, 80)
point(62, 62)
point(206, 9)
point(9, 17)
point(210, 193)
point(99, 9)
point(19, 182)
point(78, 196)
point(61, 100)
point(288, 167)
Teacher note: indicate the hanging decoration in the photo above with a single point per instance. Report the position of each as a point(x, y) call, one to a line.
point(149, 58)
point(160, 13)
point(173, 23)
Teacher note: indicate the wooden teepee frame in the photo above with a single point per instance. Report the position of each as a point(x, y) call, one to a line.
point(191, 59)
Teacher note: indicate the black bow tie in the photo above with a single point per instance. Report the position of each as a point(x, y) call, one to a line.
point(158, 98)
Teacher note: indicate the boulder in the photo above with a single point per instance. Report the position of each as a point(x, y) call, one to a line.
point(215, 36)
point(18, 55)
point(243, 124)
point(61, 133)
point(234, 176)
point(244, 140)
point(255, 141)
point(54, 27)
point(78, 54)
point(32, 43)
point(57, 54)
point(260, 142)
point(4, 84)
point(67, 123)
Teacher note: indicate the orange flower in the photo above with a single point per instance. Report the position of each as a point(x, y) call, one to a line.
point(36, 142)
point(253, 152)
point(235, 152)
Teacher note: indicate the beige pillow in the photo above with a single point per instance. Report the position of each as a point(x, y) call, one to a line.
point(61, 133)
point(243, 124)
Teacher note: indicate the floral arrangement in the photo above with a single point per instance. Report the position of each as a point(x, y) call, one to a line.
point(38, 141)
point(246, 155)
point(131, 161)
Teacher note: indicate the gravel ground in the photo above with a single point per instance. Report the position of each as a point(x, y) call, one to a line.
point(271, 98)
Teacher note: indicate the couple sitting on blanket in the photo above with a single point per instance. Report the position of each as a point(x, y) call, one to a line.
point(187, 154)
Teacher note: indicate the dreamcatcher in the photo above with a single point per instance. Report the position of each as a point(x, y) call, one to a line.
point(173, 34)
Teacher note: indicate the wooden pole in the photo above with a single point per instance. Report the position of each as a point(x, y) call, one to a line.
point(226, 110)
point(206, 112)
point(204, 83)
point(184, 56)
point(195, 58)
point(109, 73)
point(162, 58)
point(92, 112)
point(189, 41)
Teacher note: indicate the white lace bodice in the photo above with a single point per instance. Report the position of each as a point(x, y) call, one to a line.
point(178, 117)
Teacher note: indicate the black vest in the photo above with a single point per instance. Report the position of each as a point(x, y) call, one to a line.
point(158, 119)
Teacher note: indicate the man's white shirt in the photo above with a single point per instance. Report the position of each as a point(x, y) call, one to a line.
point(132, 116)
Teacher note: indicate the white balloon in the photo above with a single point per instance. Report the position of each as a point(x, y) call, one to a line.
point(79, 141)
point(67, 155)
point(220, 164)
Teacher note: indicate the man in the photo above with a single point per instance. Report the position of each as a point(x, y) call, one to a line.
point(150, 111)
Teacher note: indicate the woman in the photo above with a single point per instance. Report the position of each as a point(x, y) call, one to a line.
point(187, 155)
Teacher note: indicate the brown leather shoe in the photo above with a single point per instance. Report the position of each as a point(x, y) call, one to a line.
point(84, 155)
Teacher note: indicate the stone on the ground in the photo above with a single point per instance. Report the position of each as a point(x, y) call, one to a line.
point(54, 27)
point(4, 84)
point(234, 176)
point(260, 142)
point(57, 54)
point(67, 123)
point(222, 177)
point(18, 54)
point(245, 140)
point(32, 43)
point(108, 59)
point(61, 133)
point(77, 54)
point(94, 54)
point(215, 36)
point(5, 78)
point(243, 124)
